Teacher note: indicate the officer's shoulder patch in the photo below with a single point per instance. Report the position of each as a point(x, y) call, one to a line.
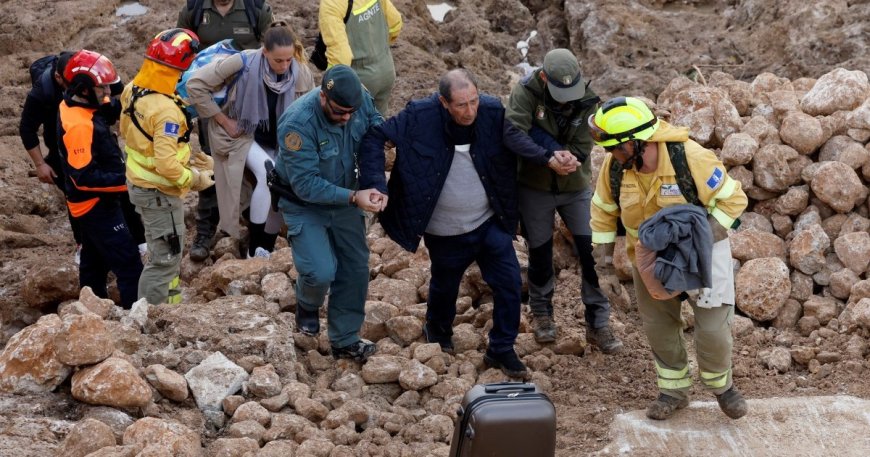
point(171, 129)
point(715, 179)
point(292, 141)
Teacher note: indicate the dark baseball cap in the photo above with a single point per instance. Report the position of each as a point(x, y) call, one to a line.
point(342, 86)
point(563, 76)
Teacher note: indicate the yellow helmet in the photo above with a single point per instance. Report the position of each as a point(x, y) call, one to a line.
point(622, 119)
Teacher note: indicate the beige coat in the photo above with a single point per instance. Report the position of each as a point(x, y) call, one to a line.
point(229, 153)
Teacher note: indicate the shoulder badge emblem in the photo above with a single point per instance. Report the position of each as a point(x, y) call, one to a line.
point(292, 141)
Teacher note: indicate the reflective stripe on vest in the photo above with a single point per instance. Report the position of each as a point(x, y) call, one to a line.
point(141, 166)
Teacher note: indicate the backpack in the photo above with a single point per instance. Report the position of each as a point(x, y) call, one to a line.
point(677, 152)
point(318, 56)
point(38, 67)
point(252, 10)
point(214, 53)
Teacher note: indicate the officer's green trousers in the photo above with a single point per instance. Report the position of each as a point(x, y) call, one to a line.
point(159, 282)
point(378, 76)
point(331, 255)
point(664, 331)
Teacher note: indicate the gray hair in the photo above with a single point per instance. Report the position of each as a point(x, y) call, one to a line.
point(458, 77)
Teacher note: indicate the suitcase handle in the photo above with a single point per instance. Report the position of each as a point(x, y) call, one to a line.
point(498, 387)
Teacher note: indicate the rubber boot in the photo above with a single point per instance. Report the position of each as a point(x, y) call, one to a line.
point(731, 403)
point(665, 406)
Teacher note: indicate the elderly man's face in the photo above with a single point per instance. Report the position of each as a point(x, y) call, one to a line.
point(463, 104)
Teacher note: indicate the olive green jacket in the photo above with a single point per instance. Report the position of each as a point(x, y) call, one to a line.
point(527, 108)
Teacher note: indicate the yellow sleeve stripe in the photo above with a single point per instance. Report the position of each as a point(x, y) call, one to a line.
point(363, 8)
point(724, 219)
point(606, 207)
point(725, 192)
point(603, 237)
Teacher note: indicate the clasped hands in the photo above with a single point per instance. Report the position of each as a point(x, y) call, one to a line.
point(371, 200)
point(563, 162)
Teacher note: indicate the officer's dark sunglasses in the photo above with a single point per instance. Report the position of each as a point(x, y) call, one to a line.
point(338, 111)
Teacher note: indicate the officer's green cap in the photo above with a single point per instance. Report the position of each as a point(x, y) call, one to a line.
point(342, 86)
point(563, 76)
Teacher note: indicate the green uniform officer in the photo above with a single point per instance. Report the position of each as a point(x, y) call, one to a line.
point(363, 42)
point(222, 19)
point(319, 137)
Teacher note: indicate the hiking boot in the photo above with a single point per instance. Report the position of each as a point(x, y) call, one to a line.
point(307, 322)
point(731, 403)
point(665, 406)
point(445, 341)
point(200, 248)
point(544, 329)
point(510, 364)
point(603, 338)
point(359, 351)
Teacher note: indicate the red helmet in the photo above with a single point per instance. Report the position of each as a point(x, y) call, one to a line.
point(92, 64)
point(174, 48)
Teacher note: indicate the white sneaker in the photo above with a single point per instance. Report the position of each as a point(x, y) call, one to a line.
point(262, 253)
point(78, 255)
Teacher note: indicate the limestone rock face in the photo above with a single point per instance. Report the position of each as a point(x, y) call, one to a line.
point(113, 382)
point(838, 186)
point(87, 436)
point(763, 287)
point(29, 363)
point(738, 149)
point(214, 379)
point(381, 369)
point(83, 340)
point(180, 440)
point(807, 249)
point(170, 384)
point(264, 382)
point(417, 376)
point(853, 249)
point(772, 168)
point(838, 90)
point(50, 283)
point(753, 244)
point(802, 132)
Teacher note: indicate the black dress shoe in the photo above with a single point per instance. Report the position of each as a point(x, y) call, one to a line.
point(445, 341)
point(307, 322)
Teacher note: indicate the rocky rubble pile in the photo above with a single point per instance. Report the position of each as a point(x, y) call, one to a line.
point(224, 374)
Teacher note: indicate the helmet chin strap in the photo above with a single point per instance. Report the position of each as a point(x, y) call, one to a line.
point(636, 159)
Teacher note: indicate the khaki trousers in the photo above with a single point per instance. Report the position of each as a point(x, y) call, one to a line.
point(664, 331)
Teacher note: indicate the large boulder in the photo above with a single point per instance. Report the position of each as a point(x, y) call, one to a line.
point(838, 90)
point(29, 363)
point(83, 340)
point(763, 287)
point(180, 440)
point(50, 283)
point(113, 382)
point(214, 379)
point(838, 186)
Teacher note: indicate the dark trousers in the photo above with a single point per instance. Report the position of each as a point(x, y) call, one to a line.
point(207, 215)
point(492, 248)
point(54, 161)
point(108, 246)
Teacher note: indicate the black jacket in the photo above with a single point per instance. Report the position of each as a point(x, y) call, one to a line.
point(424, 153)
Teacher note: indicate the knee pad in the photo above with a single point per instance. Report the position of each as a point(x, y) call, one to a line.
point(541, 262)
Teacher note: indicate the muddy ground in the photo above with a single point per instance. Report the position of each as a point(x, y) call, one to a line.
point(625, 47)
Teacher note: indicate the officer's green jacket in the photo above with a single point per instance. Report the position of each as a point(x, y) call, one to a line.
point(235, 25)
point(527, 108)
point(318, 158)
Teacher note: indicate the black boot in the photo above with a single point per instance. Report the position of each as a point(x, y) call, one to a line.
point(255, 238)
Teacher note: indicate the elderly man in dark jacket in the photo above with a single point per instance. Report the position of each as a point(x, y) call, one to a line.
point(454, 185)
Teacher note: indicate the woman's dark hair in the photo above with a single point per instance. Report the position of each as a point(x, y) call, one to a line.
point(279, 34)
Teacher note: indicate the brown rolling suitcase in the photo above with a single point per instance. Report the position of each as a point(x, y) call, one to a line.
point(510, 419)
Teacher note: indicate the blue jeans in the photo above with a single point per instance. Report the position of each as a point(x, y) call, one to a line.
point(492, 248)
